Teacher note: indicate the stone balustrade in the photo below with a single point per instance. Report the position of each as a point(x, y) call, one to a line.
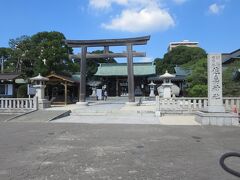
point(192, 104)
point(18, 104)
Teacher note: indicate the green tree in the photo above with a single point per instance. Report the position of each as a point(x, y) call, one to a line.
point(230, 86)
point(22, 91)
point(51, 53)
point(159, 63)
point(6, 53)
point(197, 81)
point(43, 53)
point(22, 57)
point(92, 64)
point(179, 56)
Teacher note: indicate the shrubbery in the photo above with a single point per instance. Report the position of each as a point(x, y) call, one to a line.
point(22, 91)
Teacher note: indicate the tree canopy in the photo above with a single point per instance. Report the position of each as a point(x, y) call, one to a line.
point(179, 56)
point(43, 53)
point(231, 87)
point(5, 53)
point(197, 80)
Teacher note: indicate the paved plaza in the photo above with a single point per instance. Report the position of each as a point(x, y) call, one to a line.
point(108, 141)
point(117, 112)
point(59, 151)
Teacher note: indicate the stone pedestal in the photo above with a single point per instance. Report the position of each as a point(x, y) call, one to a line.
point(151, 93)
point(217, 119)
point(131, 103)
point(44, 103)
point(94, 89)
point(82, 103)
point(166, 90)
point(216, 109)
point(157, 113)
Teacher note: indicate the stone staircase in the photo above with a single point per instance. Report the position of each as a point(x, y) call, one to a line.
point(115, 109)
point(81, 112)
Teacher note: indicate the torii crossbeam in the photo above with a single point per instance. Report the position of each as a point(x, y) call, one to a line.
point(106, 43)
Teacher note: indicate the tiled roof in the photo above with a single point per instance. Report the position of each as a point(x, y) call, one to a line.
point(9, 76)
point(181, 72)
point(229, 57)
point(65, 78)
point(120, 69)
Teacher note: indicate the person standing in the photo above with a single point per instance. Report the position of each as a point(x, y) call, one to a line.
point(105, 95)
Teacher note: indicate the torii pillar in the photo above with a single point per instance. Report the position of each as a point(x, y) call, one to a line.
point(83, 74)
point(131, 96)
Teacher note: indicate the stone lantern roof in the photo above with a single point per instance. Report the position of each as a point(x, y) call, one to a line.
point(94, 83)
point(167, 75)
point(152, 84)
point(39, 78)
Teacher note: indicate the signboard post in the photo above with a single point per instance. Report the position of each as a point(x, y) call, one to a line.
point(31, 90)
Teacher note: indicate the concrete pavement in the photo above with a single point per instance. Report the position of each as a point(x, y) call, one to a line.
point(60, 151)
point(114, 112)
point(108, 141)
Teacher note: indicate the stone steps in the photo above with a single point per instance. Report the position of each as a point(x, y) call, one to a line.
point(120, 113)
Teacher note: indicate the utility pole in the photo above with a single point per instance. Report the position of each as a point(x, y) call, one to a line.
point(2, 62)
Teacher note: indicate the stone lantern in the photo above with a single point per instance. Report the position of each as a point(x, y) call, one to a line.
point(94, 85)
point(152, 87)
point(167, 84)
point(39, 83)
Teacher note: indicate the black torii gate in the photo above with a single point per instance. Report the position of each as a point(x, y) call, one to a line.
point(106, 43)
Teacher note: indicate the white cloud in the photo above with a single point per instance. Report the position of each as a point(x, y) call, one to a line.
point(148, 19)
point(105, 4)
point(100, 4)
point(136, 15)
point(216, 8)
point(179, 1)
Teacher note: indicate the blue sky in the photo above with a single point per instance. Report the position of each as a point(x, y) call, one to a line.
point(212, 23)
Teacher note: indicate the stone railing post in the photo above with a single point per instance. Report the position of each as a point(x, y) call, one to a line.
point(157, 112)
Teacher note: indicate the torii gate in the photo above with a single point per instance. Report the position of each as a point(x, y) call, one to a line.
point(106, 43)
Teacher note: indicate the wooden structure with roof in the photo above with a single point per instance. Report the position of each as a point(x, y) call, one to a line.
point(61, 84)
point(106, 43)
point(7, 84)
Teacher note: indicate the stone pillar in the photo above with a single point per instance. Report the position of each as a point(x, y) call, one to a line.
point(40, 91)
point(117, 88)
point(65, 93)
point(215, 100)
point(82, 92)
point(131, 96)
point(94, 91)
point(167, 91)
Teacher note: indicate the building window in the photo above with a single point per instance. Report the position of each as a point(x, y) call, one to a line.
point(2, 89)
point(6, 89)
